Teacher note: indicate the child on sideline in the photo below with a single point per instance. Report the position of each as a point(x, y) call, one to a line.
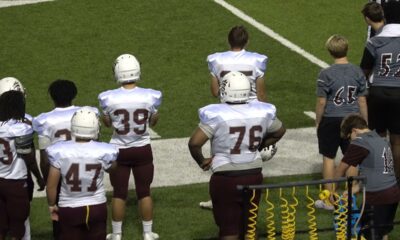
point(341, 90)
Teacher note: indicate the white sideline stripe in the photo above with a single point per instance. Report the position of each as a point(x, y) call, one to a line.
point(173, 165)
point(268, 31)
point(10, 3)
point(310, 114)
point(153, 134)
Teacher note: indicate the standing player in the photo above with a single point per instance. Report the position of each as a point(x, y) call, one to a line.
point(80, 165)
point(251, 64)
point(237, 128)
point(131, 110)
point(16, 141)
point(7, 84)
point(372, 154)
point(381, 60)
point(55, 125)
point(341, 90)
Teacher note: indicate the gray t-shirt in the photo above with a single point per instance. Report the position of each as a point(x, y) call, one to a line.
point(385, 49)
point(341, 85)
point(378, 165)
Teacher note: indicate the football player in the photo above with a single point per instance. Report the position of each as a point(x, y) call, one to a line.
point(131, 110)
point(16, 140)
point(80, 165)
point(237, 129)
point(7, 84)
point(381, 60)
point(55, 125)
point(251, 64)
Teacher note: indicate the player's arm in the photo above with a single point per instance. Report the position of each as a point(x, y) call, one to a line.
point(367, 62)
point(153, 119)
point(26, 149)
point(196, 142)
point(260, 88)
point(274, 135)
point(214, 86)
point(106, 119)
point(51, 191)
point(319, 110)
point(362, 103)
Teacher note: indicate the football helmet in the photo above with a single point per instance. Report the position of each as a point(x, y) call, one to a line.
point(126, 69)
point(234, 88)
point(268, 152)
point(85, 123)
point(11, 83)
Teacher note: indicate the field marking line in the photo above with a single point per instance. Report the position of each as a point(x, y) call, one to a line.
point(310, 114)
point(271, 33)
point(10, 3)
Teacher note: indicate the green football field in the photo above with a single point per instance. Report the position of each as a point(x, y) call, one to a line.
point(79, 40)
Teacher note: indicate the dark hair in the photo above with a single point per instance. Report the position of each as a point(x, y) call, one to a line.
point(238, 37)
point(62, 92)
point(12, 106)
point(350, 122)
point(392, 12)
point(373, 11)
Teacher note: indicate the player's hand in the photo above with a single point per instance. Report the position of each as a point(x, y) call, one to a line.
point(206, 164)
point(41, 184)
point(53, 212)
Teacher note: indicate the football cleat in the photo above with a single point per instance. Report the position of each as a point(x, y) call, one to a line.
point(206, 205)
point(113, 236)
point(268, 153)
point(234, 88)
point(150, 236)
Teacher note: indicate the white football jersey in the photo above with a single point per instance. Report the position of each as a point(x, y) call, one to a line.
point(82, 168)
point(251, 64)
point(55, 125)
point(236, 130)
point(12, 166)
point(130, 111)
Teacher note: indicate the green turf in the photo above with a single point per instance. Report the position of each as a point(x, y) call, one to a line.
point(79, 40)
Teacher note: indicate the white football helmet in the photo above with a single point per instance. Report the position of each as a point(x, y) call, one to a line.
point(268, 152)
point(126, 69)
point(85, 123)
point(10, 83)
point(234, 88)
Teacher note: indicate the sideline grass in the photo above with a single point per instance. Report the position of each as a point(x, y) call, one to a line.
point(177, 215)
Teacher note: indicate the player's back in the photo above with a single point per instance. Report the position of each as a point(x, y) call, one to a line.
point(341, 84)
point(12, 166)
point(82, 168)
point(238, 129)
point(385, 48)
point(56, 124)
point(378, 165)
point(251, 64)
point(130, 111)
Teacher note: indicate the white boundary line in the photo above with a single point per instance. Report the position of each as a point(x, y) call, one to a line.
point(269, 32)
point(10, 3)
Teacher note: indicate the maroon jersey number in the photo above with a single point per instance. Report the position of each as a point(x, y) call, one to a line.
point(139, 116)
point(254, 139)
point(72, 177)
point(7, 154)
